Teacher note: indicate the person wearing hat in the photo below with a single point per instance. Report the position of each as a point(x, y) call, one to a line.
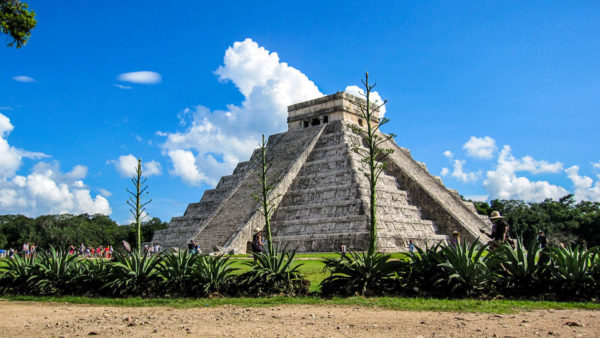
point(500, 229)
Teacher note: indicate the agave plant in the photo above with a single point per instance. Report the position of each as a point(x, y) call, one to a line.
point(521, 270)
point(90, 277)
point(420, 275)
point(212, 274)
point(359, 273)
point(16, 273)
point(465, 271)
point(133, 275)
point(54, 272)
point(273, 273)
point(176, 269)
point(573, 272)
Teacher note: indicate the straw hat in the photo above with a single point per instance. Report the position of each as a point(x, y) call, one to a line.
point(257, 229)
point(496, 215)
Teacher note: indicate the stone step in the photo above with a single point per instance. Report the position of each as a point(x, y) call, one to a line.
point(330, 140)
point(329, 242)
point(315, 210)
point(316, 225)
point(326, 194)
point(325, 165)
point(329, 178)
point(328, 152)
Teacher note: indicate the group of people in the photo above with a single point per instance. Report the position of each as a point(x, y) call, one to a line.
point(92, 252)
point(193, 247)
point(27, 250)
point(152, 249)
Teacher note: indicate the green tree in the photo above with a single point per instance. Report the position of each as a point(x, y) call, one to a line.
point(17, 21)
point(369, 148)
point(136, 203)
point(266, 184)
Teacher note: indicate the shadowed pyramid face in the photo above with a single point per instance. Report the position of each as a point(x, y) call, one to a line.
point(321, 199)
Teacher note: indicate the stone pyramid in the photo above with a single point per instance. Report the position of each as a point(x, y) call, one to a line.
point(322, 199)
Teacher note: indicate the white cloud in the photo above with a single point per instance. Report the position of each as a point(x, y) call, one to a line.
point(445, 172)
point(46, 190)
point(105, 192)
point(448, 154)
point(459, 173)
point(184, 165)
point(374, 97)
point(480, 147)
point(152, 168)
point(585, 188)
point(122, 86)
point(10, 157)
point(23, 78)
point(126, 165)
point(503, 182)
point(214, 142)
point(142, 77)
point(596, 165)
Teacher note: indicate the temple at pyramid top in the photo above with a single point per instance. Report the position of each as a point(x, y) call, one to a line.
point(335, 107)
point(321, 198)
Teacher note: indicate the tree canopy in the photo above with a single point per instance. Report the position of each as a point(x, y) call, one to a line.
point(60, 231)
point(563, 221)
point(16, 21)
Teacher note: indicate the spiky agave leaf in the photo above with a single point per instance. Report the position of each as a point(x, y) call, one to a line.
point(572, 272)
point(465, 271)
point(133, 274)
point(360, 273)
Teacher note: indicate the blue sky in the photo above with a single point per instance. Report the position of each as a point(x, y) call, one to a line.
point(500, 98)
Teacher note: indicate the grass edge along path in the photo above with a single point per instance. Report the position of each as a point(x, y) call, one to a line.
point(390, 303)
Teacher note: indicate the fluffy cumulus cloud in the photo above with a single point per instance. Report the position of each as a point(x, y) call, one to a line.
point(480, 147)
point(375, 97)
point(23, 78)
point(585, 188)
point(504, 183)
point(464, 176)
point(448, 154)
point(213, 142)
point(46, 190)
point(142, 77)
point(126, 165)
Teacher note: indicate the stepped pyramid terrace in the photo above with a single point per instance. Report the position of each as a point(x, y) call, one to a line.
point(322, 199)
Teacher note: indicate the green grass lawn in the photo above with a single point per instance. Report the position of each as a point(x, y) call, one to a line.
point(310, 266)
point(392, 303)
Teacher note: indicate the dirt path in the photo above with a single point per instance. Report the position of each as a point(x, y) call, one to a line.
point(52, 319)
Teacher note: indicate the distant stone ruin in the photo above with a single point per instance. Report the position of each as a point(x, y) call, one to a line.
point(323, 199)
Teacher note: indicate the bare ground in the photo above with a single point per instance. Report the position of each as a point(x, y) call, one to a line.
point(58, 319)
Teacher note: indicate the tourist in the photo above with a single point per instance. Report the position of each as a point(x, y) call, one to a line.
point(500, 230)
point(411, 246)
point(343, 249)
point(257, 245)
point(25, 249)
point(191, 247)
point(11, 253)
point(542, 240)
point(454, 241)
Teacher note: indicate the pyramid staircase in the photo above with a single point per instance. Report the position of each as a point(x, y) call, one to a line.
point(321, 200)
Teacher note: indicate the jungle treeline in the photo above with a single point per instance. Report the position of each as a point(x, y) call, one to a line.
point(564, 221)
point(61, 231)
